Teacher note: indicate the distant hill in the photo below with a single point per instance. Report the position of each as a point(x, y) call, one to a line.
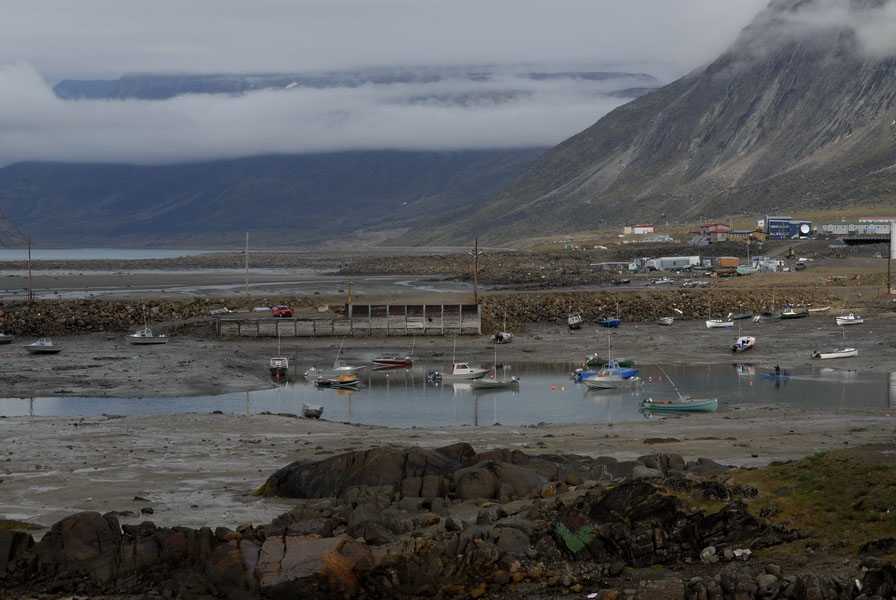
point(290, 200)
point(795, 115)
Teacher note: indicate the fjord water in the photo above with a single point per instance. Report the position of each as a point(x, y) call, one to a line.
point(406, 398)
point(11, 254)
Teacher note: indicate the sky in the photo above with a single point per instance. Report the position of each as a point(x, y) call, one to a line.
point(44, 42)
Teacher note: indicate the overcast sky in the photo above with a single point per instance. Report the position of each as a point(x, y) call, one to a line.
point(42, 42)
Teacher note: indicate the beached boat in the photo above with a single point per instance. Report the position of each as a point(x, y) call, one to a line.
point(342, 381)
point(43, 346)
point(621, 281)
point(836, 353)
point(7, 338)
point(718, 323)
point(662, 281)
point(794, 314)
point(850, 319)
point(459, 372)
point(738, 316)
point(502, 337)
point(665, 320)
point(575, 321)
point(681, 405)
point(609, 322)
point(311, 411)
point(743, 343)
point(145, 335)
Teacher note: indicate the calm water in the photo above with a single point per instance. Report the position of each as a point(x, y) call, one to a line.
point(9, 254)
point(406, 398)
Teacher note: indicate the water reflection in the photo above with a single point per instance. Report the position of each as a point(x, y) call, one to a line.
point(405, 397)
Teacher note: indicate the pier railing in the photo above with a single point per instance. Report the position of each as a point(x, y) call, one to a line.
point(363, 320)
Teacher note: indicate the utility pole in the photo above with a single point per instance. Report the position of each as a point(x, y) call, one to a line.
point(247, 265)
point(475, 254)
point(31, 286)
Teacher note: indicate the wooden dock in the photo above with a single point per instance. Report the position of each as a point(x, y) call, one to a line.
point(363, 320)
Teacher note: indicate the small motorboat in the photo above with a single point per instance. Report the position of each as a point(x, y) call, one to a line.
point(490, 383)
point(836, 353)
point(794, 314)
point(682, 405)
point(502, 337)
point(278, 366)
point(311, 411)
point(594, 360)
point(339, 368)
point(145, 337)
point(850, 319)
point(459, 372)
point(611, 382)
point(665, 320)
point(621, 281)
point(43, 346)
point(7, 338)
point(718, 323)
point(739, 316)
point(390, 361)
point(575, 321)
point(609, 322)
point(743, 343)
point(342, 381)
point(662, 280)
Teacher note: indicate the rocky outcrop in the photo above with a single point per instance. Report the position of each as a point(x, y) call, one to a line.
point(417, 539)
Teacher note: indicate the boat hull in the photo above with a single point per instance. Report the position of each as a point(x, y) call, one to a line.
point(837, 353)
point(850, 320)
point(718, 324)
point(611, 382)
point(495, 384)
point(696, 405)
point(310, 411)
point(392, 362)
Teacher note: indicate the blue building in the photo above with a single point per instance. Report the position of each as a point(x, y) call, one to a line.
point(785, 228)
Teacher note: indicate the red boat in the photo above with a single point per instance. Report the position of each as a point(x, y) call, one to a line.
point(393, 360)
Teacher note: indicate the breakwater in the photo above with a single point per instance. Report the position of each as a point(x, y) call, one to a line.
point(517, 309)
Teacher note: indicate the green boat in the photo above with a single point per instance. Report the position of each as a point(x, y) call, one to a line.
point(793, 314)
point(738, 316)
point(682, 405)
point(596, 361)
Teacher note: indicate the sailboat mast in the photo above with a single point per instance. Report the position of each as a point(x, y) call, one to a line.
point(680, 397)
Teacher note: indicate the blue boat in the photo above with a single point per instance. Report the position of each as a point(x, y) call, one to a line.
point(609, 322)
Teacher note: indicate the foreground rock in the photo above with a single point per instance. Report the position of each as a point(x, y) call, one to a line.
point(450, 523)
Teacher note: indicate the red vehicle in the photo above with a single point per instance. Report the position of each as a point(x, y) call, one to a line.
point(281, 311)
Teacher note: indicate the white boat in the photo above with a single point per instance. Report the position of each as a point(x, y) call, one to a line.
point(575, 321)
point(611, 382)
point(502, 337)
point(145, 336)
point(662, 280)
point(836, 353)
point(311, 411)
point(338, 369)
point(744, 342)
point(850, 319)
point(488, 383)
point(665, 320)
point(6, 338)
point(43, 346)
point(459, 372)
point(394, 361)
point(716, 323)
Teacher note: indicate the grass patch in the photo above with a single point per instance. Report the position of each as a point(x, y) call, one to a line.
point(843, 497)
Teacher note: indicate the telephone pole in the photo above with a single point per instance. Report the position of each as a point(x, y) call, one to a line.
point(475, 254)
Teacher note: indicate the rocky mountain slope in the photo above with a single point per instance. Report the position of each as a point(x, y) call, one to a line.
point(797, 114)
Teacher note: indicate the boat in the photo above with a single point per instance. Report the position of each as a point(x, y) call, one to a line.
point(502, 337)
point(6, 338)
point(662, 280)
point(683, 404)
point(488, 383)
point(665, 320)
point(44, 346)
point(342, 381)
point(392, 361)
point(594, 360)
point(744, 270)
point(773, 376)
point(459, 372)
point(850, 319)
point(717, 323)
point(621, 281)
point(278, 366)
point(338, 369)
point(794, 314)
point(608, 380)
point(145, 336)
point(835, 353)
point(311, 411)
point(575, 321)
point(609, 322)
point(738, 316)
point(743, 343)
